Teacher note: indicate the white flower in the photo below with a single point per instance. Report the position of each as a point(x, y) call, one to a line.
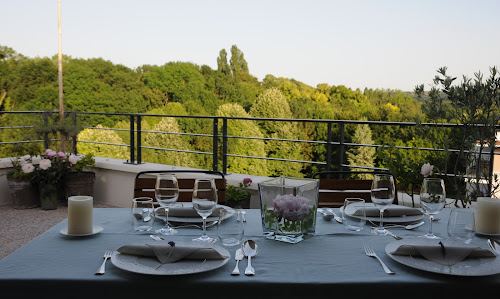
point(73, 159)
point(45, 164)
point(28, 168)
point(26, 157)
point(427, 169)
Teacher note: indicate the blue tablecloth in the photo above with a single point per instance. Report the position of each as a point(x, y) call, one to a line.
point(332, 263)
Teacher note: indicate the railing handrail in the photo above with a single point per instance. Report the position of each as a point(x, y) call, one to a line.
point(135, 135)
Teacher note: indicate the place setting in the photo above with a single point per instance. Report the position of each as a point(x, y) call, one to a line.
point(455, 254)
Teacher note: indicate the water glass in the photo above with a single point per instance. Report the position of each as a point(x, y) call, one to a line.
point(142, 214)
point(353, 214)
point(229, 229)
point(462, 225)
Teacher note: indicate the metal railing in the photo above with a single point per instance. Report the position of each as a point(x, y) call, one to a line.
point(220, 135)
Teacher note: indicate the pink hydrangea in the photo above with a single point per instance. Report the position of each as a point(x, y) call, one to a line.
point(28, 168)
point(45, 164)
point(292, 208)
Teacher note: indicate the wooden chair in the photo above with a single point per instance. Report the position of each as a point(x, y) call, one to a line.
point(335, 186)
point(145, 183)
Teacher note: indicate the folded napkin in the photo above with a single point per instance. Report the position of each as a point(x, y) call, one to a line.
point(185, 212)
point(391, 211)
point(445, 252)
point(165, 253)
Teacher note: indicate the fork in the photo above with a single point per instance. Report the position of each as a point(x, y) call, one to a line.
point(107, 255)
point(369, 252)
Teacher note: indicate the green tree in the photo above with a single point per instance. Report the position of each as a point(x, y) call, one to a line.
point(362, 155)
point(102, 150)
point(166, 137)
point(272, 104)
point(238, 64)
point(222, 65)
point(243, 147)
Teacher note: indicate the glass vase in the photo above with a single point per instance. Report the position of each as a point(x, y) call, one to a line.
point(288, 208)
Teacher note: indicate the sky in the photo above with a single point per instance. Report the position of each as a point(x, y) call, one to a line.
point(361, 44)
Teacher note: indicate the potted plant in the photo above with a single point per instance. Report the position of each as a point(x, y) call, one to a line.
point(239, 197)
point(24, 194)
point(80, 178)
point(48, 176)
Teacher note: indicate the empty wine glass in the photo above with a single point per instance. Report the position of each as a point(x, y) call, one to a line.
point(166, 193)
point(462, 225)
point(204, 202)
point(382, 195)
point(432, 200)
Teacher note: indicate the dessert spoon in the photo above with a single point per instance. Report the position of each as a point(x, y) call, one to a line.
point(249, 250)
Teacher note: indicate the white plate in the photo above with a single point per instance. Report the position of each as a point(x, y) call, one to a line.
point(195, 219)
point(149, 265)
point(468, 267)
point(405, 219)
point(95, 230)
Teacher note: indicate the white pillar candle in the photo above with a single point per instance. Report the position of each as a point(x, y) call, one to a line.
point(80, 209)
point(488, 215)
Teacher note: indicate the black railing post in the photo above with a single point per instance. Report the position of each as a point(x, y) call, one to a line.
point(341, 149)
point(224, 145)
point(45, 134)
point(139, 145)
point(132, 141)
point(215, 144)
point(329, 147)
point(74, 137)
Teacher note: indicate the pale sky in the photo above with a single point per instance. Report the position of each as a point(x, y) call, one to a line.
point(357, 43)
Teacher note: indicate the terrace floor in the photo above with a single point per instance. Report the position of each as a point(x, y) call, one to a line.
point(19, 226)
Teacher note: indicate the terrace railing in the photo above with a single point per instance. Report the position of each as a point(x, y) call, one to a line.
point(219, 136)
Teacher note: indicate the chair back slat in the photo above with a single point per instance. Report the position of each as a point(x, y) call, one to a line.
point(333, 191)
point(145, 186)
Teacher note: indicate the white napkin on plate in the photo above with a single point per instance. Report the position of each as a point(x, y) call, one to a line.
point(391, 211)
point(444, 252)
point(165, 253)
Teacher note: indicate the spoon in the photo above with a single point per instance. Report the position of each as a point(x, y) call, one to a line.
point(238, 256)
point(326, 215)
point(494, 244)
point(337, 218)
point(249, 250)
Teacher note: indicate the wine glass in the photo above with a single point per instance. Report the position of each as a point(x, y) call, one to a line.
point(166, 193)
point(204, 202)
point(462, 225)
point(382, 195)
point(432, 200)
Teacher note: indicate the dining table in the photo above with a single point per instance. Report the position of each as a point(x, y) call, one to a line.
point(331, 263)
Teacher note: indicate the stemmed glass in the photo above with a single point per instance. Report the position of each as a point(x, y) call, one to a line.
point(382, 195)
point(432, 200)
point(166, 193)
point(204, 202)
